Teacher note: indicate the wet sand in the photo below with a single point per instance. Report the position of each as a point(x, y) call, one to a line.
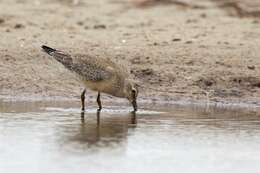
point(205, 51)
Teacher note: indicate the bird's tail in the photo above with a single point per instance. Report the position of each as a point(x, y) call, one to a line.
point(60, 56)
point(48, 50)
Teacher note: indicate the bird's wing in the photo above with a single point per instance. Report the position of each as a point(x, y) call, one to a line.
point(118, 68)
point(92, 69)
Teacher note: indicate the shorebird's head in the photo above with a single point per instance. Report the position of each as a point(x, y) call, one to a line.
point(131, 92)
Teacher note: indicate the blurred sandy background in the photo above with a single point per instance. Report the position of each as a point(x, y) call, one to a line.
point(195, 49)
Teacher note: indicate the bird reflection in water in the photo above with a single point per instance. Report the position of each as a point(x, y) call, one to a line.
point(105, 130)
point(133, 117)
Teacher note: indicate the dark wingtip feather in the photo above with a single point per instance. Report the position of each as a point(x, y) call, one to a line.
point(47, 49)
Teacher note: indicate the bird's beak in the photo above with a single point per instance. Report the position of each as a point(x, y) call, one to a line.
point(134, 104)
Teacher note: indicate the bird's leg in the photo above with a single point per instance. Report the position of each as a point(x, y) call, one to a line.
point(134, 104)
point(99, 102)
point(83, 100)
point(134, 100)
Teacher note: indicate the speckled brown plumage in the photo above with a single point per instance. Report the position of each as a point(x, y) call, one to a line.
point(98, 74)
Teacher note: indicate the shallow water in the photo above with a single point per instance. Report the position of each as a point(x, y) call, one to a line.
point(54, 137)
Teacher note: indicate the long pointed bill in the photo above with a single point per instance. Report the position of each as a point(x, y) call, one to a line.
point(134, 104)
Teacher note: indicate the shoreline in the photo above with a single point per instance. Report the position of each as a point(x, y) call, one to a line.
point(185, 101)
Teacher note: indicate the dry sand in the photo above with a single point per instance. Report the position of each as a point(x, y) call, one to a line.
point(196, 50)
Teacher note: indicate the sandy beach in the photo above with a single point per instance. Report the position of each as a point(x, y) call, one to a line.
point(189, 51)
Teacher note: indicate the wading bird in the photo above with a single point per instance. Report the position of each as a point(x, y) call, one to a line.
point(98, 74)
